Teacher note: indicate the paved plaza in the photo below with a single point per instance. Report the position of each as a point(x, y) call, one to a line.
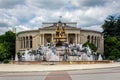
point(85, 72)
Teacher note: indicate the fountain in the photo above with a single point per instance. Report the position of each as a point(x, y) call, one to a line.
point(100, 57)
point(16, 57)
point(61, 51)
point(51, 56)
point(27, 56)
point(72, 52)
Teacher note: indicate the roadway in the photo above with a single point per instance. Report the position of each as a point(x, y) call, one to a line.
point(87, 74)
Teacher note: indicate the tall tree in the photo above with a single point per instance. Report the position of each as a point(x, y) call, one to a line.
point(109, 27)
point(111, 30)
point(7, 43)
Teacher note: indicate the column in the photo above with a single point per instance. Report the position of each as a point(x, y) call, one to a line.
point(17, 44)
point(90, 39)
point(19, 41)
point(102, 43)
point(28, 41)
point(25, 43)
point(67, 38)
point(40, 39)
point(97, 42)
point(52, 37)
point(43, 38)
point(79, 38)
point(76, 38)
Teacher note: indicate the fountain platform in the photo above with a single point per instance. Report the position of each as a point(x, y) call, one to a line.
point(61, 62)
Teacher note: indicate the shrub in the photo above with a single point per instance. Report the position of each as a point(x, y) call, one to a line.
point(19, 56)
point(6, 61)
point(111, 58)
point(91, 45)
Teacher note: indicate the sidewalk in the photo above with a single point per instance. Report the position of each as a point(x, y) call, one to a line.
point(30, 68)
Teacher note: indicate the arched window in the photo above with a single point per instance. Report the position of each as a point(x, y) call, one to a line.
point(98, 42)
point(88, 38)
point(30, 41)
point(95, 41)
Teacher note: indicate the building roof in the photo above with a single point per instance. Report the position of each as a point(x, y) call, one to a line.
point(52, 26)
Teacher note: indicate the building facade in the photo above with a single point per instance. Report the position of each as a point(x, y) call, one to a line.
point(32, 39)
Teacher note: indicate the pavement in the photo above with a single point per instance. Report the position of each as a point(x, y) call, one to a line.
point(55, 67)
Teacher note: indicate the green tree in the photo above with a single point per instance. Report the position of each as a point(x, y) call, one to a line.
point(110, 44)
point(33, 52)
point(3, 52)
point(111, 30)
point(7, 42)
point(109, 27)
point(114, 54)
point(91, 45)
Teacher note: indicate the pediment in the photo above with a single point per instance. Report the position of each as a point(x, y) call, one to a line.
point(54, 27)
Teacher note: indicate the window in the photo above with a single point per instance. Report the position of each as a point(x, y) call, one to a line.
point(30, 41)
point(24, 41)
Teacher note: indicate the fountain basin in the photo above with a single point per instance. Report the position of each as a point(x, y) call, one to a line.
point(61, 62)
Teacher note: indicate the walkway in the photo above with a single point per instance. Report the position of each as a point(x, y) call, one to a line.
point(33, 68)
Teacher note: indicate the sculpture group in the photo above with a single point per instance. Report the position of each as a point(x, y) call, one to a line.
point(67, 52)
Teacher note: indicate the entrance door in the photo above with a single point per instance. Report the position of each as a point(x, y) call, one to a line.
point(71, 38)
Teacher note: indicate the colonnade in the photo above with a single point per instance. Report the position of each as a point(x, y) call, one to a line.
point(94, 39)
point(25, 42)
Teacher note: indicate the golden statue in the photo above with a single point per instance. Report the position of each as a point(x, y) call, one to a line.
point(57, 30)
point(60, 36)
point(63, 30)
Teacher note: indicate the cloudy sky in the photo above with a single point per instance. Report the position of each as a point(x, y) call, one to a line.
point(29, 14)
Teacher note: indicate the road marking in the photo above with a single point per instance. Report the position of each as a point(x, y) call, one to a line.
point(58, 75)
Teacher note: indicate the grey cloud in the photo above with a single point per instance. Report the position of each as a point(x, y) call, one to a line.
point(4, 29)
point(10, 3)
point(88, 21)
point(3, 24)
point(94, 2)
point(84, 12)
point(48, 4)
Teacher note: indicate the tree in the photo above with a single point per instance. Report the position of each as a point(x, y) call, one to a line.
point(110, 44)
point(7, 42)
point(111, 27)
point(33, 52)
point(114, 54)
point(111, 30)
point(3, 52)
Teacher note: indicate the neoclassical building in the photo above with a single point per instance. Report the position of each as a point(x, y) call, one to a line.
point(57, 33)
